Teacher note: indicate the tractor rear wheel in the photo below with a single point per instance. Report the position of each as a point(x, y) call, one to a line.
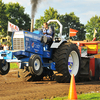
point(67, 59)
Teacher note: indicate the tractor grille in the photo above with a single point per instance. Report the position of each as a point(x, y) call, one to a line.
point(18, 43)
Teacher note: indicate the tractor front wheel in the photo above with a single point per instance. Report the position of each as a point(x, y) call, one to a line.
point(35, 65)
point(4, 67)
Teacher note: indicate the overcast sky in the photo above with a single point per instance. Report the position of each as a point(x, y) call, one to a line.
point(84, 9)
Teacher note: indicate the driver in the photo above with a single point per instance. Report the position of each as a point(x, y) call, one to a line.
point(47, 31)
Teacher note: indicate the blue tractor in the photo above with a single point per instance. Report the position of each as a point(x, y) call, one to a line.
point(38, 58)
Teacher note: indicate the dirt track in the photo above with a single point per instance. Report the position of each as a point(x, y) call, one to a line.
point(12, 88)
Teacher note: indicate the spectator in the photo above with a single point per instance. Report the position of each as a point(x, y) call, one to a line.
point(5, 47)
point(1, 48)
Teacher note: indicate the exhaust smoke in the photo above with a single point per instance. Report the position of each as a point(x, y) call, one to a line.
point(34, 4)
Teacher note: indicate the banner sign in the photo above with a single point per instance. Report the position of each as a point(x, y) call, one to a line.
point(12, 27)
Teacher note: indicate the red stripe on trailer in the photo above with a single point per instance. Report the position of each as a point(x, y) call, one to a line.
point(92, 66)
point(91, 52)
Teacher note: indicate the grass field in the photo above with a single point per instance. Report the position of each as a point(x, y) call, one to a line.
point(89, 96)
point(13, 65)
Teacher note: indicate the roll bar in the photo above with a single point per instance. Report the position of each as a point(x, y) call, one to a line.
point(52, 20)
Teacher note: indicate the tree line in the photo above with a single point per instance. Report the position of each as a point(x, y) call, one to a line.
point(67, 20)
point(15, 13)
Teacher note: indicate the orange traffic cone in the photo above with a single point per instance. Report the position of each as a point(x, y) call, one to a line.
point(72, 90)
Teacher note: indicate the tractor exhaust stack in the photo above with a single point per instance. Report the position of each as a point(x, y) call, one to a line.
point(32, 24)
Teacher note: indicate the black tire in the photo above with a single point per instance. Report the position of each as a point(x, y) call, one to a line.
point(4, 67)
point(35, 65)
point(61, 57)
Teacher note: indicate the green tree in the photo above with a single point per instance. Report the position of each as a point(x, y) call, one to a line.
point(72, 21)
point(16, 15)
point(48, 14)
point(67, 20)
point(93, 23)
point(3, 19)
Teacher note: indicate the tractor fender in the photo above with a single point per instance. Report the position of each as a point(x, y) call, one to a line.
point(57, 44)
